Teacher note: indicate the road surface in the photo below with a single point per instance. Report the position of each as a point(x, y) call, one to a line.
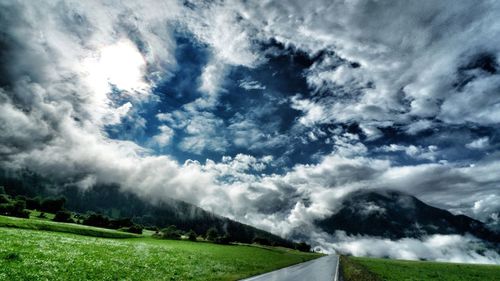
point(322, 269)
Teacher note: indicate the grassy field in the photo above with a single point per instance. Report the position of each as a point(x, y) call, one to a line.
point(40, 224)
point(34, 214)
point(29, 254)
point(371, 269)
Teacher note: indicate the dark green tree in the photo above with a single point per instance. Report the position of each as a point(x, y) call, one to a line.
point(212, 234)
point(52, 205)
point(171, 232)
point(303, 247)
point(192, 235)
point(63, 216)
point(15, 208)
point(4, 198)
point(137, 229)
point(97, 220)
point(223, 239)
point(262, 241)
point(33, 203)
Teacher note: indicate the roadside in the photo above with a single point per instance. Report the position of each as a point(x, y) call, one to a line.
point(376, 269)
point(352, 271)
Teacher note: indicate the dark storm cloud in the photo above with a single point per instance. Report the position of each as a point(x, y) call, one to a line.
point(268, 112)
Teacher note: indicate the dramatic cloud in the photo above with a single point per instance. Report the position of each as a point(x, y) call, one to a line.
point(267, 112)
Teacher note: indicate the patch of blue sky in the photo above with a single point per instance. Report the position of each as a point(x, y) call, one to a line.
point(253, 114)
point(265, 105)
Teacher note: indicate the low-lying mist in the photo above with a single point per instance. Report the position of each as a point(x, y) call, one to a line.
point(443, 248)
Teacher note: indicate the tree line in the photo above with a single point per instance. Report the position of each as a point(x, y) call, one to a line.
point(19, 206)
point(109, 207)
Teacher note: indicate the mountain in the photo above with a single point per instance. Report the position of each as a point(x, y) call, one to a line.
point(109, 200)
point(395, 215)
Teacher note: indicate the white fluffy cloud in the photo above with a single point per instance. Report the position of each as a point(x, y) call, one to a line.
point(313, 113)
point(164, 137)
point(413, 151)
point(480, 143)
point(410, 52)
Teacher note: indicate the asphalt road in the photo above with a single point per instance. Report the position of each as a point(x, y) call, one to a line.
point(322, 269)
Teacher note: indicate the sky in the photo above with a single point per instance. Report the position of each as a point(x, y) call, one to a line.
point(267, 112)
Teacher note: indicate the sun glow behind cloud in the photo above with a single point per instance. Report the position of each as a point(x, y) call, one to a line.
point(120, 65)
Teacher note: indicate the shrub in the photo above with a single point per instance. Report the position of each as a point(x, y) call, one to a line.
point(19, 209)
point(262, 241)
point(171, 232)
point(63, 216)
point(52, 205)
point(78, 216)
point(4, 198)
point(224, 239)
point(212, 234)
point(33, 203)
point(97, 220)
point(121, 223)
point(14, 208)
point(192, 235)
point(303, 247)
point(2, 190)
point(20, 198)
point(137, 229)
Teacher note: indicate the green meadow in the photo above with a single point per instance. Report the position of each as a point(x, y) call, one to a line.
point(32, 249)
point(372, 269)
point(42, 224)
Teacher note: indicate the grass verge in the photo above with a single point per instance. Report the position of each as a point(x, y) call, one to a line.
point(355, 268)
point(40, 255)
point(353, 271)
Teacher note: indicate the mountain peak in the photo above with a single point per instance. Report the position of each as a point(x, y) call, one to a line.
point(393, 214)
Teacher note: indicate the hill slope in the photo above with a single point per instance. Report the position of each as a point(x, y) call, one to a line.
point(111, 201)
